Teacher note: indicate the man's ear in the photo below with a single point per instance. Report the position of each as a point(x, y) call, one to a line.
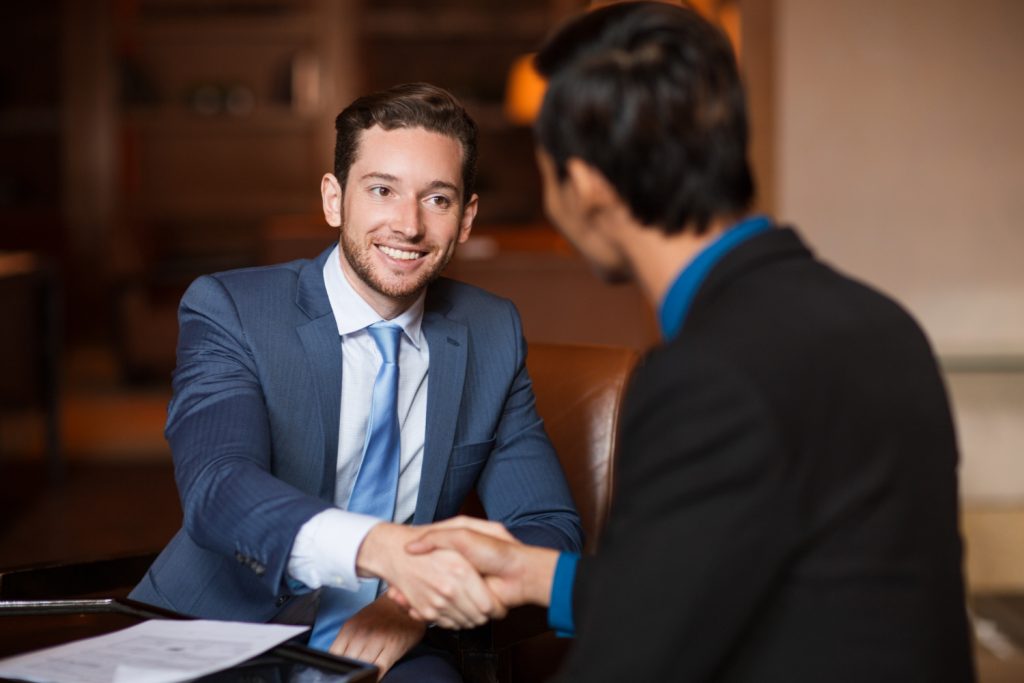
point(330, 192)
point(593, 191)
point(468, 214)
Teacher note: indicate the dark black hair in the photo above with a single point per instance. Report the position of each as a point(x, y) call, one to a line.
point(650, 95)
point(410, 105)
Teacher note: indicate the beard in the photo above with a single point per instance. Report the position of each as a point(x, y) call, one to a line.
point(376, 278)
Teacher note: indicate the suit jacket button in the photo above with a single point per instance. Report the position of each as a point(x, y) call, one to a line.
point(258, 568)
point(281, 599)
point(240, 557)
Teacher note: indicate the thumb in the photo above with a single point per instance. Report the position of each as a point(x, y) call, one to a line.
point(420, 546)
point(448, 539)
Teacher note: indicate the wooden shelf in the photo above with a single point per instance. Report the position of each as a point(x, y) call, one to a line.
point(212, 207)
point(409, 23)
point(175, 120)
point(289, 28)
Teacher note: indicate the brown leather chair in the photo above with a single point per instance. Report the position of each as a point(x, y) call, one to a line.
point(579, 391)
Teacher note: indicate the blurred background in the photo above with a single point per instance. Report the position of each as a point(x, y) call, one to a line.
point(145, 142)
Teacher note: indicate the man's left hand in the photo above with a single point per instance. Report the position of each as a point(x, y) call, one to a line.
point(380, 633)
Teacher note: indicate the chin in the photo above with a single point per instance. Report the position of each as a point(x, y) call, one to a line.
point(400, 289)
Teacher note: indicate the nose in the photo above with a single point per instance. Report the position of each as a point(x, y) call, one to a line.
point(408, 221)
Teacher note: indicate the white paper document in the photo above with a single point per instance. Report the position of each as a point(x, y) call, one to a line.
point(155, 651)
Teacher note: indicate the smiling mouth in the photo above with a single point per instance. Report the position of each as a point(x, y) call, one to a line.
point(400, 254)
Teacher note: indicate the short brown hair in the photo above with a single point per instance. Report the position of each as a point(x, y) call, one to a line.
point(410, 105)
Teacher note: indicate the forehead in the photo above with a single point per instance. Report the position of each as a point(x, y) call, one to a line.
point(412, 155)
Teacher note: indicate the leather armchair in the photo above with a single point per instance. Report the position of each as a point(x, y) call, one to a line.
point(579, 390)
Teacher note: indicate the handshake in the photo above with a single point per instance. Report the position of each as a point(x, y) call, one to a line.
point(458, 573)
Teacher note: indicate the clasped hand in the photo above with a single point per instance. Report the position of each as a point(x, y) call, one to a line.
point(458, 573)
point(430, 576)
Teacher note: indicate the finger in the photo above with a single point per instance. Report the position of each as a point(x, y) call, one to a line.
point(385, 660)
point(363, 648)
point(445, 622)
point(372, 654)
point(502, 594)
point(486, 554)
point(451, 539)
point(498, 595)
point(398, 598)
point(421, 546)
point(455, 608)
point(342, 643)
point(465, 591)
point(456, 613)
point(481, 526)
point(458, 533)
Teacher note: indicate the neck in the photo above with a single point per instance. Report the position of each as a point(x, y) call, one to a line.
point(657, 258)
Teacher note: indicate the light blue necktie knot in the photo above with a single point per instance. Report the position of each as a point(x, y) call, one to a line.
point(386, 336)
point(376, 487)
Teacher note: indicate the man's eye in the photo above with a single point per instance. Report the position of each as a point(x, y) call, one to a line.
point(440, 201)
point(380, 191)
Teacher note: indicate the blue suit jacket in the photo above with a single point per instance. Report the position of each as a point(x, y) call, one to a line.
point(253, 427)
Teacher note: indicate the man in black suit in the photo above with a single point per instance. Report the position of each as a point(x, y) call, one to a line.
point(786, 495)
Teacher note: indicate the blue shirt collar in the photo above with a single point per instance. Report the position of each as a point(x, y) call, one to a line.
point(676, 305)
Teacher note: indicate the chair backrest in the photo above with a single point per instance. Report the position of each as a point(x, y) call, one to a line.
point(579, 392)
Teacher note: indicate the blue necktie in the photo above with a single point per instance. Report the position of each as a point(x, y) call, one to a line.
point(376, 485)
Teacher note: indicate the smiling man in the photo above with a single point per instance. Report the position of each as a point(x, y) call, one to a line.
point(322, 406)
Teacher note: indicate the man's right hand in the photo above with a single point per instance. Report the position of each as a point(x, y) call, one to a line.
point(515, 573)
point(441, 586)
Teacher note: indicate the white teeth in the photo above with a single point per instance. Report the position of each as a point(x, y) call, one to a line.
point(399, 254)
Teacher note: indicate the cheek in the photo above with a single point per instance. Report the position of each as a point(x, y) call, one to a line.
point(363, 218)
point(555, 204)
point(443, 230)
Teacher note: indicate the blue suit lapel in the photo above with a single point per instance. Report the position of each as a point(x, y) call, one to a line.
point(322, 345)
point(448, 342)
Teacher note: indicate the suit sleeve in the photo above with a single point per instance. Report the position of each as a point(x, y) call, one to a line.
point(701, 527)
point(523, 485)
point(219, 433)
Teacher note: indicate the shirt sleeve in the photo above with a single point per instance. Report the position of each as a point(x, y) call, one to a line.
point(325, 549)
point(560, 610)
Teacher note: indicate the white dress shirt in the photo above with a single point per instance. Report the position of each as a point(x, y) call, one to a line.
point(325, 549)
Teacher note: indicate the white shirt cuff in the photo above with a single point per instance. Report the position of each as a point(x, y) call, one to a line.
point(325, 549)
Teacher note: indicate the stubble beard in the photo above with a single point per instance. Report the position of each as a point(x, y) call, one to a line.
point(359, 258)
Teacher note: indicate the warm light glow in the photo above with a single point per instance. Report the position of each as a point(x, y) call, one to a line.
point(524, 91)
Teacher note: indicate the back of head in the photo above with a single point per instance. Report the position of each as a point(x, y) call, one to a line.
point(410, 105)
point(650, 95)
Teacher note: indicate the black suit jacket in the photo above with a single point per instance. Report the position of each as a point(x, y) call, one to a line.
point(786, 504)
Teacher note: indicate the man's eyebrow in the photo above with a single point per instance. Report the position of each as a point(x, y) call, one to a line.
point(443, 185)
point(433, 185)
point(374, 175)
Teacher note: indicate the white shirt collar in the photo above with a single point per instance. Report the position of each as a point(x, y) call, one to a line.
point(352, 313)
